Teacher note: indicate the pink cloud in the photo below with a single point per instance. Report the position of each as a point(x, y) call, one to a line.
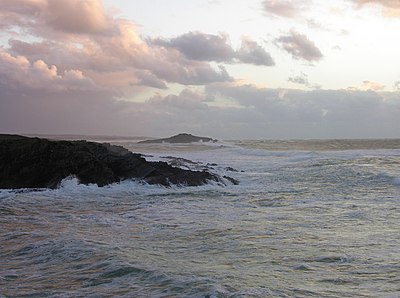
point(71, 16)
point(368, 86)
point(284, 8)
point(80, 34)
point(391, 8)
point(77, 16)
point(19, 72)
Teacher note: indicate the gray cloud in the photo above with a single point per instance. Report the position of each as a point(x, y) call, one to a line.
point(301, 79)
point(146, 78)
point(300, 47)
point(34, 49)
point(251, 52)
point(200, 46)
point(68, 102)
point(289, 113)
point(208, 47)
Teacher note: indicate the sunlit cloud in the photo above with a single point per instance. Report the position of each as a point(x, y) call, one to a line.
point(368, 85)
point(85, 37)
point(391, 8)
point(284, 8)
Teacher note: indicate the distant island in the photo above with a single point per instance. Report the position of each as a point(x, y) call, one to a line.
point(182, 138)
point(41, 163)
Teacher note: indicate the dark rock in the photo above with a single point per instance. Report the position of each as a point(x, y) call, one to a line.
point(179, 161)
point(180, 138)
point(38, 163)
point(184, 163)
point(231, 169)
point(232, 180)
point(211, 165)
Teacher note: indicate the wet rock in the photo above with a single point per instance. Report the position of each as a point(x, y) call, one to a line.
point(232, 180)
point(39, 163)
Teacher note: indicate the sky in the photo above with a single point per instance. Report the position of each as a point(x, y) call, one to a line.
point(254, 69)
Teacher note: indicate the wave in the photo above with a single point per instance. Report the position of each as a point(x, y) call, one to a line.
point(396, 181)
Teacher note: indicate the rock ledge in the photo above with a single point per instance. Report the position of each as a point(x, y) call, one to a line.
point(41, 163)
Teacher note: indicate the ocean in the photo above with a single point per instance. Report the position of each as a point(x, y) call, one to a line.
point(310, 218)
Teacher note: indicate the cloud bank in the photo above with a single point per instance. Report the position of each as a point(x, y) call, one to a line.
point(36, 97)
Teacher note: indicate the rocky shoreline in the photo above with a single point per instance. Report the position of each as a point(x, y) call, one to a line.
point(41, 163)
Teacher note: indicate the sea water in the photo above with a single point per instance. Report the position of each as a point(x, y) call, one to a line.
point(308, 219)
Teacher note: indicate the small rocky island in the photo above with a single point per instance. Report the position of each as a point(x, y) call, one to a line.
point(183, 138)
point(41, 163)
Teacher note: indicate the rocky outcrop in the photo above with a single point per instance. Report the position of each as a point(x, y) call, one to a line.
point(180, 138)
point(39, 163)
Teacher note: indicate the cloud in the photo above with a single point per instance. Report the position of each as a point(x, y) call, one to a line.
point(74, 73)
point(285, 8)
point(252, 53)
point(208, 47)
point(57, 102)
point(391, 7)
point(368, 86)
point(256, 112)
point(19, 73)
point(317, 114)
point(37, 97)
point(77, 34)
point(299, 46)
point(146, 78)
point(200, 46)
point(77, 16)
point(70, 16)
point(301, 79)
